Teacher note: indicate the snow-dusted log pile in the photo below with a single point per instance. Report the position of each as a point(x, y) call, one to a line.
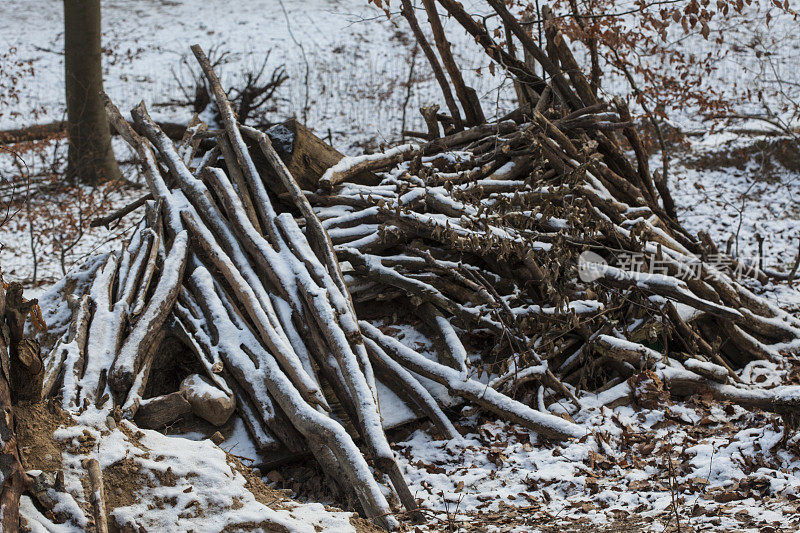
point(499, 237)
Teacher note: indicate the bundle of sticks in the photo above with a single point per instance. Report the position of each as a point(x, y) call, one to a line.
point(504, 240)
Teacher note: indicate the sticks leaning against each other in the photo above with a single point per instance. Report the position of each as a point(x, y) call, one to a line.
point(547, 425)
point(129, 358)
point(408, 384)
point(314, 425)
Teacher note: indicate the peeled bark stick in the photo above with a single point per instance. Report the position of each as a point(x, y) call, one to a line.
point(152, 173)
point(315, 232)
point(401, 378)
point(143, 287)
point(321, 245)
point(408, 12)
point(349, 167)
point(129, 358)
point(235, 172)
point(72, 347)
point(246, 383)
point(200, 198)
point(545, 424)
point(368, 418)
point(105, 334)
point(131, 280)
point(136, 393)
point(98, 496)
point(262, 202)
point(339, 301)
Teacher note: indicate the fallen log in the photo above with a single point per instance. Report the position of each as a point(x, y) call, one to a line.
point(156, 413)
point(58, 129)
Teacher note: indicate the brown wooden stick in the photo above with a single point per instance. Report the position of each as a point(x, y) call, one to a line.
point(493, 50)
point(546, 424)
point(643, 166)
point(130, 355)
point(333, 176)
point(14, 479)
point(235, 172)
point(119, 213)
point(400, 379)
point(559, 82)
point(474, 114)
point(216, 257)
point(408, 12)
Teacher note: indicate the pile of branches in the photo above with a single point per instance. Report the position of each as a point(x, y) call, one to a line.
point(539, 231)
point(498, 237)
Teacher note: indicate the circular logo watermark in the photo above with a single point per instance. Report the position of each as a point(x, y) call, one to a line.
point(591, 266)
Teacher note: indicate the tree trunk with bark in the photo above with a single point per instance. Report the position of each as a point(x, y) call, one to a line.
point(91, 157)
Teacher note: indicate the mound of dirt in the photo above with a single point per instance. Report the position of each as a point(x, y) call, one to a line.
point(51, 440)
point(36, 423)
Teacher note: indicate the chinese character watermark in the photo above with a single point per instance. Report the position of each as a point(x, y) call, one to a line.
point(592, 266)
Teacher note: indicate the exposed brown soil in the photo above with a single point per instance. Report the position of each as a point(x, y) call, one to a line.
point(36, 423)
point(121, 483)
point(280, 499)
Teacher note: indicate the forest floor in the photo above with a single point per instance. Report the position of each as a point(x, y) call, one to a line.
point(689, 465)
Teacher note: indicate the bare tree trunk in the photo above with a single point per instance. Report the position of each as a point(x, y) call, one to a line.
point(91, 158)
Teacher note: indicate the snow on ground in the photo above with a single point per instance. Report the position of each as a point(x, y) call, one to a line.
point(358, 62)
point(737, 190)
point(718, 466)
point(155, 482)
point(348, 65)
point(730, 468)
point(757, 197)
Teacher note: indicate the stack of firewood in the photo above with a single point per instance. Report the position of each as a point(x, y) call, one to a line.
point(512, 243)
